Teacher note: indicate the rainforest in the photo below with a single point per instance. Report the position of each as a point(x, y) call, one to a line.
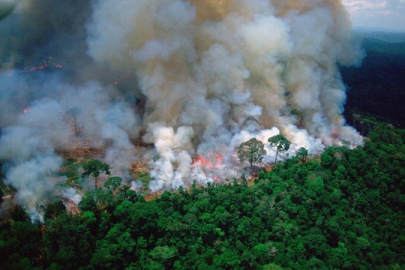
point(187, 134)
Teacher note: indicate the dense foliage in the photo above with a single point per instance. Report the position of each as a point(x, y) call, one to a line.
point(342, 210)
point(94, 167)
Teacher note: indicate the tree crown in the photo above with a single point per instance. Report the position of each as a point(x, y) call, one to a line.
point(280, 142)
point(252, 151)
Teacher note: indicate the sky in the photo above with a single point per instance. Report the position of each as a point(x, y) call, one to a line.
point(379, 14)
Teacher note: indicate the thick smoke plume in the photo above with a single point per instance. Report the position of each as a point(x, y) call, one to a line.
point(191, 78)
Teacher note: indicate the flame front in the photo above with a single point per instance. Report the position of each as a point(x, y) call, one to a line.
point(214, 160)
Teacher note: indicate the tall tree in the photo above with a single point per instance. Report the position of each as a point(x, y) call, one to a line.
point(251, 151)
point(280, 143)
point(94, 167)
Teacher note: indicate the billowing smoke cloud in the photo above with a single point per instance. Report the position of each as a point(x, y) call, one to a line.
point(211, 66)
point(192, 78)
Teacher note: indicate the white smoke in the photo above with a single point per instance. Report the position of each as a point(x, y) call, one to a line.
point(33, 165)
point(214, 65)
point(191, 78)
point(171, 149)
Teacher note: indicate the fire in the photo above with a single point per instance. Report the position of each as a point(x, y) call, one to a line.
point(201, 160)
point(213, 160)
point(269, 168)
point(121, 78)
point(152, 196)
point(218, 157)
point(38, 67)
point(211, 164)
point(44, 65)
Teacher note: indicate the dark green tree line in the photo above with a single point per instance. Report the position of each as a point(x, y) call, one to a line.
point(343, 210)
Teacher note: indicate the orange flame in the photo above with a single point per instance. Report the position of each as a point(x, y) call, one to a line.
point(208, 161)
point(210, 164)
point(45, 65)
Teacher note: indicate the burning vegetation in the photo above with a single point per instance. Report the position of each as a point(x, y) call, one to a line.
point(173, 94)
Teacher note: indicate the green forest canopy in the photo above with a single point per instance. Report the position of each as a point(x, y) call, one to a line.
point(343, 210)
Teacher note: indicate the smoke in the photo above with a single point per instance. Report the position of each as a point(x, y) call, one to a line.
point(192, 79)
point(32, 163)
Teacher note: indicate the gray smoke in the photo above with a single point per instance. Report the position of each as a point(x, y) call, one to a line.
point(192, 78)
point(31, 165)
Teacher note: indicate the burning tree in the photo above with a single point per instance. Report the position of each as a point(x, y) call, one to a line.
point(281, 143)
point(94, 167)
point(252, 151)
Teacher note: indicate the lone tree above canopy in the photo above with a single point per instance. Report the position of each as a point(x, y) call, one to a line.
point(251, 151)
point(280, 143)
point(94, 167)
